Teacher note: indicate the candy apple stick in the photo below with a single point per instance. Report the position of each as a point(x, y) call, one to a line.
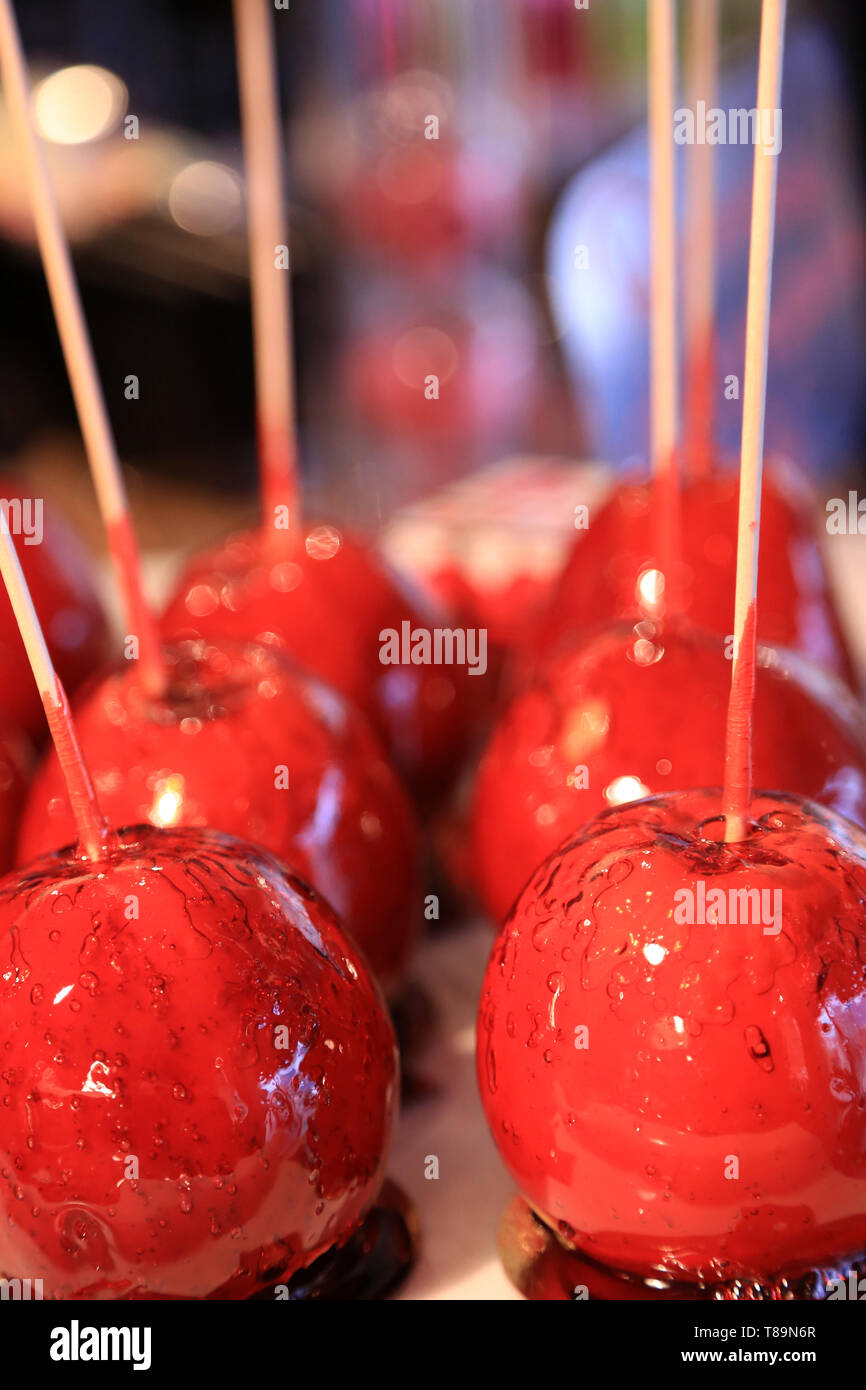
point(94, 834)
point(738, 749)
point(78, 354)
point(664, 404)
point(700, 260)
point(270, 285)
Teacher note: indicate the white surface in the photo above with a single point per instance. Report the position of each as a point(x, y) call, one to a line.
point(459, 1212)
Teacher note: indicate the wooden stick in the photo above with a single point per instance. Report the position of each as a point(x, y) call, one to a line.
point(738, 749)
point(700, 262)
point(663, 340)
point(78, 354)
point(270, 286)
point(664, 367)
point(94, 836)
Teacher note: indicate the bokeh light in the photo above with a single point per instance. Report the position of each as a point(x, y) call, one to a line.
point(205, 198)
point(78, 104)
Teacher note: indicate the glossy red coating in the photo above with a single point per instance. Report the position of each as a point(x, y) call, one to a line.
point(16, 765)
point(687, 1098)
point(198, 1076)
point(638, 710)
point(328, 598)
point(609, 575)
point(60, 576)
point(246, 744)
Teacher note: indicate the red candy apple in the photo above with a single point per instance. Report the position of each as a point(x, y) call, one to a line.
point(198, 1076)
point(15, 767)
point(426, 202)
point(329, 600)
point(60, 577)
point(451, 372)
point(641, 709)
point(406, 202)
point(244, 743)
point(613, 568)
point(678, 1100)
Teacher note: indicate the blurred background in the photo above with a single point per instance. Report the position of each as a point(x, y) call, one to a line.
point(443, 159)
